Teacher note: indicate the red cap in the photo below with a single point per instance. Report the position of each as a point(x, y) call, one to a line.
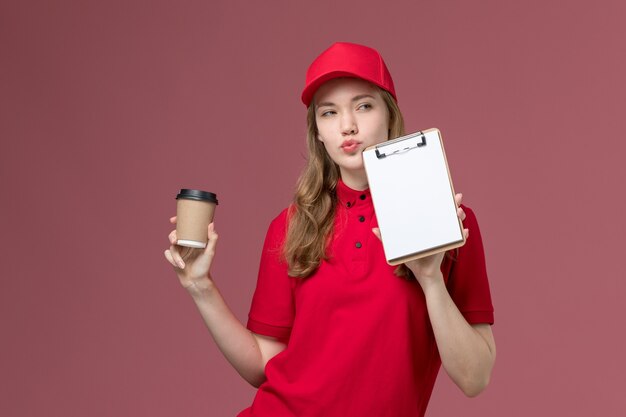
point(344, 59)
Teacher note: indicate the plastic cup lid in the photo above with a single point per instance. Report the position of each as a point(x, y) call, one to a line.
point(197, 195)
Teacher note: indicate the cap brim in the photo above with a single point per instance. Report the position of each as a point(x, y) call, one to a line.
point(309, 91)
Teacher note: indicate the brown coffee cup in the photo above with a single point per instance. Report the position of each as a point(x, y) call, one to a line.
point(194, 212)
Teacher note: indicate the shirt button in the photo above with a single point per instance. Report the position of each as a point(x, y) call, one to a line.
point(362, 219)
point(362, 196)
point(358, 245)
point(348, 204)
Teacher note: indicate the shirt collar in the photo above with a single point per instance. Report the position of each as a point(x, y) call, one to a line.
point(349, 197)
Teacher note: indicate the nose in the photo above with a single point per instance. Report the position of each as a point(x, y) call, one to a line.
point(348, 124)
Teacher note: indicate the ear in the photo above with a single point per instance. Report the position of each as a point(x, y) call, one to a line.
point(318, 137)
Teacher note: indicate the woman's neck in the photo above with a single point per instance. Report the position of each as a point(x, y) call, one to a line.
point(357, 179)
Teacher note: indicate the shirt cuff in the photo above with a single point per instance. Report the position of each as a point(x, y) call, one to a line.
point(279, 332)
point(478, 317)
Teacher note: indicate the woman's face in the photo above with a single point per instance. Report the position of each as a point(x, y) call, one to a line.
point(350, 115)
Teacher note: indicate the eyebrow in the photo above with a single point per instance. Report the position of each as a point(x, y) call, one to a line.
point(356, 98)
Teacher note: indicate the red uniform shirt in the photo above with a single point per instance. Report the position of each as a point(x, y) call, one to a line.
point(359, 340)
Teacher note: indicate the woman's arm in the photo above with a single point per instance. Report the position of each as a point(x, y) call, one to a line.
point(468, 352)
point(246, 351)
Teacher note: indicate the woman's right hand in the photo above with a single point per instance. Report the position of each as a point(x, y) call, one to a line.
point(192, 265)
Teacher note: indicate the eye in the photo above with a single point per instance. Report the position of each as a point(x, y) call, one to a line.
point(364, 106)
point(327, 113)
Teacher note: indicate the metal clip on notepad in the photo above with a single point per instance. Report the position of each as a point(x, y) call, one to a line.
point(399, 145)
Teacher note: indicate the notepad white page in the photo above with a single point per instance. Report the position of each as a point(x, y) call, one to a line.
point(412, 195)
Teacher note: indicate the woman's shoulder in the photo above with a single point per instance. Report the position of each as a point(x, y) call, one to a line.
point(278, 225)
point(283, 216)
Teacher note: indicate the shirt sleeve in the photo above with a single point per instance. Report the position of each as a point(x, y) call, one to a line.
point(272, 310)
point(468, 283)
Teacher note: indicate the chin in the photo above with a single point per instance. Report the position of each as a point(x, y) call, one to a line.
point(353, 167)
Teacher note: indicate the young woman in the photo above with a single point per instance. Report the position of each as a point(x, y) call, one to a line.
point(333, 330)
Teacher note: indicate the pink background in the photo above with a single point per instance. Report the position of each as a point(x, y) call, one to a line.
point(108, 108)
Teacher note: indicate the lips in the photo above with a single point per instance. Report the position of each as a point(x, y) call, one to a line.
point(350, 145)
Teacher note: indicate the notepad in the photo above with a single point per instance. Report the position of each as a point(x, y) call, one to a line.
point(413, 196)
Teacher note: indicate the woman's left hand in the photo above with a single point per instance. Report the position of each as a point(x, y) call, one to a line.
point(427, 270)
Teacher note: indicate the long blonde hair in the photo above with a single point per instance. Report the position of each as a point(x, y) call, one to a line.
point(311, 216)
